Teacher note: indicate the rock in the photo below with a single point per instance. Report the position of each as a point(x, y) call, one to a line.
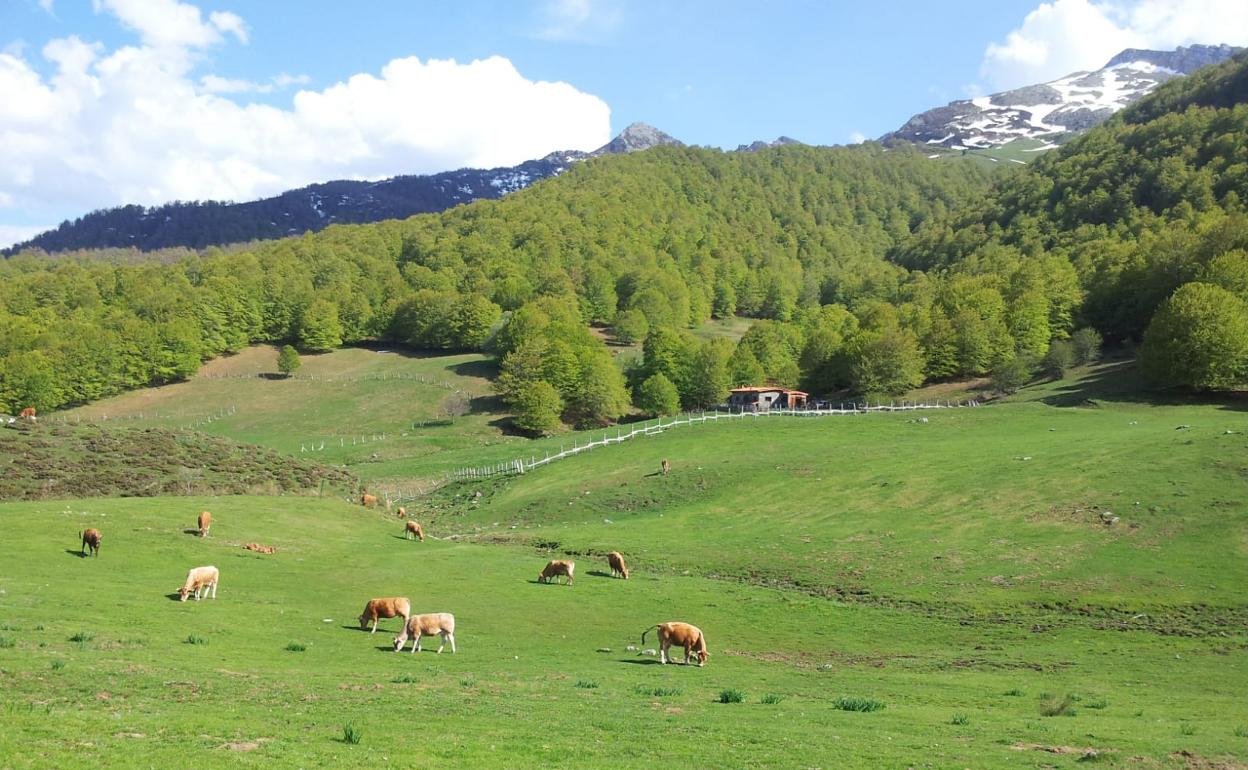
point(631, 648)
point(603, 649)
point(650, 652)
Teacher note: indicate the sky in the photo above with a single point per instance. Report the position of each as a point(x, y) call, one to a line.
point(110, 102)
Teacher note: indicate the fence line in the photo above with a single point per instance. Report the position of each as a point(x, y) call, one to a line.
point(77, 419)
point(383, 377)
point(521, 466)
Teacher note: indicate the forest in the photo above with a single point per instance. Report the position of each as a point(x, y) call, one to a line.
point(870, 270)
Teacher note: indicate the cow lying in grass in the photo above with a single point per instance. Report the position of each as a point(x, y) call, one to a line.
point(200, 578)
point(555, 568)
point(681, 634)
point(413, 528)
point(260, 548)
point(385, 608)
point(616, 561)
point(205, 523)
point(435, 624)
point(91, 538)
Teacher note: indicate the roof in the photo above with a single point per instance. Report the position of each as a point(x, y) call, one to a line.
point(769, 389)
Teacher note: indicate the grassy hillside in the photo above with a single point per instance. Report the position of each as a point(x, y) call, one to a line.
point(957, 571)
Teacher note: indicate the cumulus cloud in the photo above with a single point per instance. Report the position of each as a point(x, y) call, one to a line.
point(1065, 36)
point(138, 125)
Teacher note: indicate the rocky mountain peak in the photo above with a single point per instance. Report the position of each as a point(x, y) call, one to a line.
point(638, 136)
point(1183, 59)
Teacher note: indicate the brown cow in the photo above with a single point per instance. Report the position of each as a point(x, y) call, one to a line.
point(682, 634)
point(205, 522)
point(260, 548)
point(91, 538)
point(666, 466)
point(200, 578)
point(401, 512)
point(368, 501)
point(555, 568)
point(385, 608)
point(434, 624)
point(413, 528)
point(616, 560)
point(29, 413)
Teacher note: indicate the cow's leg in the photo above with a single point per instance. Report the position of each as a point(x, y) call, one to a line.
point(417, 648)
point(688, 649)
point(214, 589)
point(663, 645)
point(374, 625)
point(443, 644)
point(451, 638)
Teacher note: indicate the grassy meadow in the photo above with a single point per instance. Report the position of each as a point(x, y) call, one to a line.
point(877, 591)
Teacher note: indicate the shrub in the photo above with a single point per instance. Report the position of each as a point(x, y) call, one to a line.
point(1058, 361)
point(296, 647)
point(193, 639)
point(960, 719)
point(848, 703)
point(288, 361)
point(771, 699)
point(1052, 706)
point(351, 734)
point(1011, 375)
point(1087, 345)
point(731, 696)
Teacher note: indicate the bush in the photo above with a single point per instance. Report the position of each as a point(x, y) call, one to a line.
point(1087, 345)
point(1059, 360)
point(658, 396)
point(1011, 375)
point(288, 361)
point(847, 703)
point(731, 696)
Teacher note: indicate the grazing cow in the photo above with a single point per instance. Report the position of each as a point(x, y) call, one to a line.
point(402, 512)
point(682, 634)
point(29, 413)
point(435, 624)
point(368, 501)
point(555, 568)
point(618, 567)
point(413, 528)
point(200, 578)
point(666, 466)
point(205, 522)
point(91, 538)
point(385, 608)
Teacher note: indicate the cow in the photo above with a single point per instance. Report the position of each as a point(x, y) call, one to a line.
point(389, 607)
point(91, 538)
point(200, 578)
point(368, 501)
point(682, 634)
point(401, 512)
point(555, 568)
point(205, 522)
point(259, 548)
point(413, 528)
point(666, 466)
point(30, 413)
point(616, 560)
point(435, 624)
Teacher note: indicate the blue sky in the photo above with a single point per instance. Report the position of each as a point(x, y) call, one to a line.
point(116, 101)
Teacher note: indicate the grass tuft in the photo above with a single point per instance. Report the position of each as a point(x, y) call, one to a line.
point(82, 636)
point(1052, 706)
point(193, 639)
point(1098, 704)
point(404, 679)
point(467, 682)
point(351, 734)
point(657, 692)
point(57, 665)
point(854, 703)
point(1187, 728)
point(771, 699)
point(6, 642)
point(1241, 731)
point(731, 696)
point(296, 647)
point(1014, 693)
point(586, 684)
point(960, 719)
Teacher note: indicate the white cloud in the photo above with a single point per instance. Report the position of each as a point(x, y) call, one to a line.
point(46, 5)
point(1065, 36)
point(229, 22)
point(578, 20)
point(857, 137)
point(134, 125)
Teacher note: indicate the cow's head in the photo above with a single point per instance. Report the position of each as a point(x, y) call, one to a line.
point(702, 656)
point(183, 592)
point(363, 622)
point(398, 642)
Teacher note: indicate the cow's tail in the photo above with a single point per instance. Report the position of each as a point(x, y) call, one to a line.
point(648, 630)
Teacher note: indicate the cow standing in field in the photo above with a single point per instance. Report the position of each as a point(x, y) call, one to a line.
point(91, 538)
point(205, 522)
point(683, 635)
point(368, 501)
point(616, 561)
point(556, 567)
point(200, 578)
point(666, 466)
point(413, 528)
point(30, 414)
point(435, 624)
point(389, 607)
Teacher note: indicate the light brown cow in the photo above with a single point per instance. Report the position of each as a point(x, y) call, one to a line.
point(389, 607)
point(260, 548)
point(205, 522)
point(200, 578)
point(555, 568)
point(666, 466)
point(401, 512)
point(413, 528)
point(681, 634)
point(616, 560)
point(91, 538)
point(29, 413)
point(435, 624)
point(368, 501)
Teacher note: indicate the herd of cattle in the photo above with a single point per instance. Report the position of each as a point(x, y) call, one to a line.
point(441, 624)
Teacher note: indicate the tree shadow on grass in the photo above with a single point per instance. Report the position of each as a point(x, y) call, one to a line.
point(1121, 381)
point(79, 554)
point(486, 370)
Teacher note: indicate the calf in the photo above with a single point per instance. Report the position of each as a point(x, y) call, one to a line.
point(30, 413)
point(91, 538)
point(436, 624)
point(665, 466)
point(205, 522)
point(682, 634)
point(385, 608)
point(368, 501)
point(555, 568)
point(618, 567)
point(401, 512)
point(413, 528)
point(200, 578)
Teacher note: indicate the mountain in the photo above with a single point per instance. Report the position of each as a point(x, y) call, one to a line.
point(1047, 111)
point(199, 224)
point(759, 144)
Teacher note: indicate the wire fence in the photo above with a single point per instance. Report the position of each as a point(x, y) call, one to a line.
point(196, 421)
point(649, 428)
point(382, 377)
